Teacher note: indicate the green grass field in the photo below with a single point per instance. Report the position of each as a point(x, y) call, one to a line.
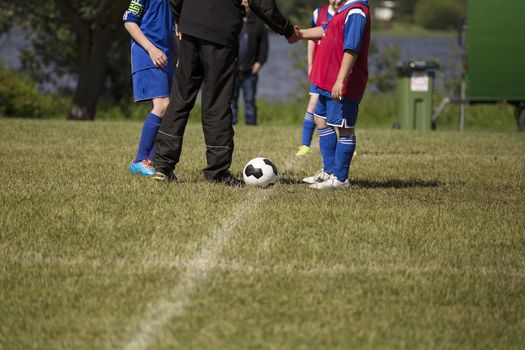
point(425, 250)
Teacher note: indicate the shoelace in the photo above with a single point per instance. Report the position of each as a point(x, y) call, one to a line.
point(319, 174)
point(148, 163)
point(231, 181)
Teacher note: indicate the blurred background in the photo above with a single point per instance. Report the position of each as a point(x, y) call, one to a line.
point(64, 55)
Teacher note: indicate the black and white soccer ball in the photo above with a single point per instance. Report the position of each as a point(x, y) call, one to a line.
point(259, 172)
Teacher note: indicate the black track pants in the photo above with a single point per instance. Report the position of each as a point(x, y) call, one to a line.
point(212, 66)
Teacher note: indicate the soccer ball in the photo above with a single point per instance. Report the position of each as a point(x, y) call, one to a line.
point(259, 172)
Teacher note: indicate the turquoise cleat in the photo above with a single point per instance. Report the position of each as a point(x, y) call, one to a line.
point(143, 168)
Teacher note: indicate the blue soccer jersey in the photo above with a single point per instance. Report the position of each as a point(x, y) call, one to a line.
point(155, 19)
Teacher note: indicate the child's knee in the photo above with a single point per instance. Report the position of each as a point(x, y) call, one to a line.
point(320, 122)
point(160, 105)
point(312, 102)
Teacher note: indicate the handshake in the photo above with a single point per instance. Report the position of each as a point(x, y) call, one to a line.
point(296, 35)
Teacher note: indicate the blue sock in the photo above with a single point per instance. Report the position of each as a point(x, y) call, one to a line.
point(152, 153)
point(147, 138)
point(328, 144)
point(343, 156)
point(308, 128)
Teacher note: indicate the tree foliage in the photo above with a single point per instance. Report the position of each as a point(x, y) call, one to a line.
point(71, 37)
point(443, 14)
point(19, 96)
point(405, 9)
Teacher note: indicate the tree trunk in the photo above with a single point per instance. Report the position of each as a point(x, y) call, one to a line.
point(92, 72)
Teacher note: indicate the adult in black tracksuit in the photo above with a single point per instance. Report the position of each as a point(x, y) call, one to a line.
point(208, 57)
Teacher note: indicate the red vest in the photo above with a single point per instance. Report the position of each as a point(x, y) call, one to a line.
point(329, 56)
point(322, 18)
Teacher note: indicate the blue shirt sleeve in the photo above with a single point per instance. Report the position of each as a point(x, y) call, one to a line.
point(135, 11)
point(354, 28)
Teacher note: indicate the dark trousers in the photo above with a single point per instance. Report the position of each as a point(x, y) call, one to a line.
point(212, 66)
point(247, 82)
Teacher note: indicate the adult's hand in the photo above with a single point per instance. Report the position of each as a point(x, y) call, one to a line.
point(177, 32)
point(296, 36)
point(256, 68)
point(297, 31)
point(292, 39)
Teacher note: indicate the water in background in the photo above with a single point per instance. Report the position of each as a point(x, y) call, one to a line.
point(10, 46)
point(278, 80)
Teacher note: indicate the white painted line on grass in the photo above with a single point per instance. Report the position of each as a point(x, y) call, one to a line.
point(155, 263)
point(197, 271)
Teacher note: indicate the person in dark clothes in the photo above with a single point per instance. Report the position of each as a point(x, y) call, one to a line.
point(209, 33)
point(253, 52)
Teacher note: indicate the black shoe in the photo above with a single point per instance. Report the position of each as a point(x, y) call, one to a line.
point(165, 178)
point(228, 179)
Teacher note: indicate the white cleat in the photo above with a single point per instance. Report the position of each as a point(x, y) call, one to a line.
point(319, 176)
point(332, 182)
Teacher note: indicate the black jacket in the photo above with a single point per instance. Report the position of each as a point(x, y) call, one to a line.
point(220, 21)
point(257, 43)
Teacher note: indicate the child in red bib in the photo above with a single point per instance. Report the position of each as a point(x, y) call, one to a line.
point(340, 74)
point(320, 17)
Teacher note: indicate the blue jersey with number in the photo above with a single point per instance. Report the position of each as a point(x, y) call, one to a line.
point(155, 19)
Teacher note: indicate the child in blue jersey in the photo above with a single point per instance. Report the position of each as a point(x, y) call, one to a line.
point(150, 24)
point(320, 17)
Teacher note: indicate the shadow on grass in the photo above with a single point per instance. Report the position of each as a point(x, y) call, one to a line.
point(290, 181)
point(412, 183)
point(394, 183)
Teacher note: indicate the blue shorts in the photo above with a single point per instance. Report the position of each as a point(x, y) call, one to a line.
point(313, 89)
point(342, 114)
point(151, 83)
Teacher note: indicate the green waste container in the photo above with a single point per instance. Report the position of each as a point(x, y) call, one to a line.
point(415, 88)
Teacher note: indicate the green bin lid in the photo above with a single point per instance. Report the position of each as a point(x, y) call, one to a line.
point(406, 68)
